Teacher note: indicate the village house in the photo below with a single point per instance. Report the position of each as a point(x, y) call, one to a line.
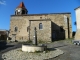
point(3, 34)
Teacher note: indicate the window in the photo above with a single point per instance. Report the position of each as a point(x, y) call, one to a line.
point(18, 12)
point(40, 17)
point(23, 11)
point(22, 38)
point(28, 28)
point(40, 26)
point(15, 29)
point(61, 29)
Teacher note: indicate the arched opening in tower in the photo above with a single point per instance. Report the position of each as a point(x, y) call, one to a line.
point(23, 11)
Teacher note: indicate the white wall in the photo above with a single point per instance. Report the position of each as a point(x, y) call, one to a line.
point(78, 17)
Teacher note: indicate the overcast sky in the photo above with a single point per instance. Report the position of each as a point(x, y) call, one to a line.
point(7, 8)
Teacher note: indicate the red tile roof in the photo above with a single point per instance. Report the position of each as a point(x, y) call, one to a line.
point(21, 5)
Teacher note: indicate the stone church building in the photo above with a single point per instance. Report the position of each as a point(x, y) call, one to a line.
point(49, 27)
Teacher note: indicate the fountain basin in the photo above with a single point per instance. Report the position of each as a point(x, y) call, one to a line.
point(32, 48)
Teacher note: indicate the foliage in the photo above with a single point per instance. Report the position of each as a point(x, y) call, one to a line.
point(25, 42)
point(40, 41)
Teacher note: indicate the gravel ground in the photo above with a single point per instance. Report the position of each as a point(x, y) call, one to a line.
point(30, 56)
point(71, 52)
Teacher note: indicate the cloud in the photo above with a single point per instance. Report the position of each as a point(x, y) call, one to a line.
point(2, 2)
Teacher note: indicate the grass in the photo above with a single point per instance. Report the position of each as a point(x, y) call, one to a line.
point(25, 42)
point(20, 50)
point(69, 40)
point(46, 51)
point(37, 51)
point(40, 41)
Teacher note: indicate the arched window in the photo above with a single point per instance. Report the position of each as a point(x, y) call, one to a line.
point(40, 26)
point(23, 11)
point(17, 12)
point(16, 29)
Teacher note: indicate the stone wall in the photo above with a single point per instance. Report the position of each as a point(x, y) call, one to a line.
point(20, 22)
point(57, 20)
point(42, 34)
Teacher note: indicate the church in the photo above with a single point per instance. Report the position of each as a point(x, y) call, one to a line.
point(49, 26)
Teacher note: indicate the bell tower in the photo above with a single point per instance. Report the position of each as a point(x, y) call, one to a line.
point(21, 9)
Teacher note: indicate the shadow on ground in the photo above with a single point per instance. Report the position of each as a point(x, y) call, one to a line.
point(5, 47)
point(60, 46)
point(2, 48)
point(51, 49)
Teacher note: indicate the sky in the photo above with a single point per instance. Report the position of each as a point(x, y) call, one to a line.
point(7, 8)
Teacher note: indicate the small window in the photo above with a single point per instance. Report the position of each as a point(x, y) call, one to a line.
point(18, 13)
point(23, 11)
point(40, 26)
point(28, 28)
point(40, 17)
point(15, 29)
point(61, 29)
point(22, 38)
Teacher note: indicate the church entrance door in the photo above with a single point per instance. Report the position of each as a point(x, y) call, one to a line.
point(13, 37)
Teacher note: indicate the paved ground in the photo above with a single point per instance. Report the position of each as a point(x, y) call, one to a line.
point(71, 52)
point(8, 47)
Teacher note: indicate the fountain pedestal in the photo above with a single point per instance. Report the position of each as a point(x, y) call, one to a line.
point(32, 48)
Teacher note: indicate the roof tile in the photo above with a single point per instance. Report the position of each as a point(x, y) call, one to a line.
point(21, 5)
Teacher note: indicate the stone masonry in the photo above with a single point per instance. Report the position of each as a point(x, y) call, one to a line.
point(22, 22)
point(55, 26)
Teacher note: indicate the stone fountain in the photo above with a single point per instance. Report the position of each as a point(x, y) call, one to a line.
point(34, 46)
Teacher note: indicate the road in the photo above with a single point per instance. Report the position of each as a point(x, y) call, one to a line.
point(71, 52)
point(8, 47)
